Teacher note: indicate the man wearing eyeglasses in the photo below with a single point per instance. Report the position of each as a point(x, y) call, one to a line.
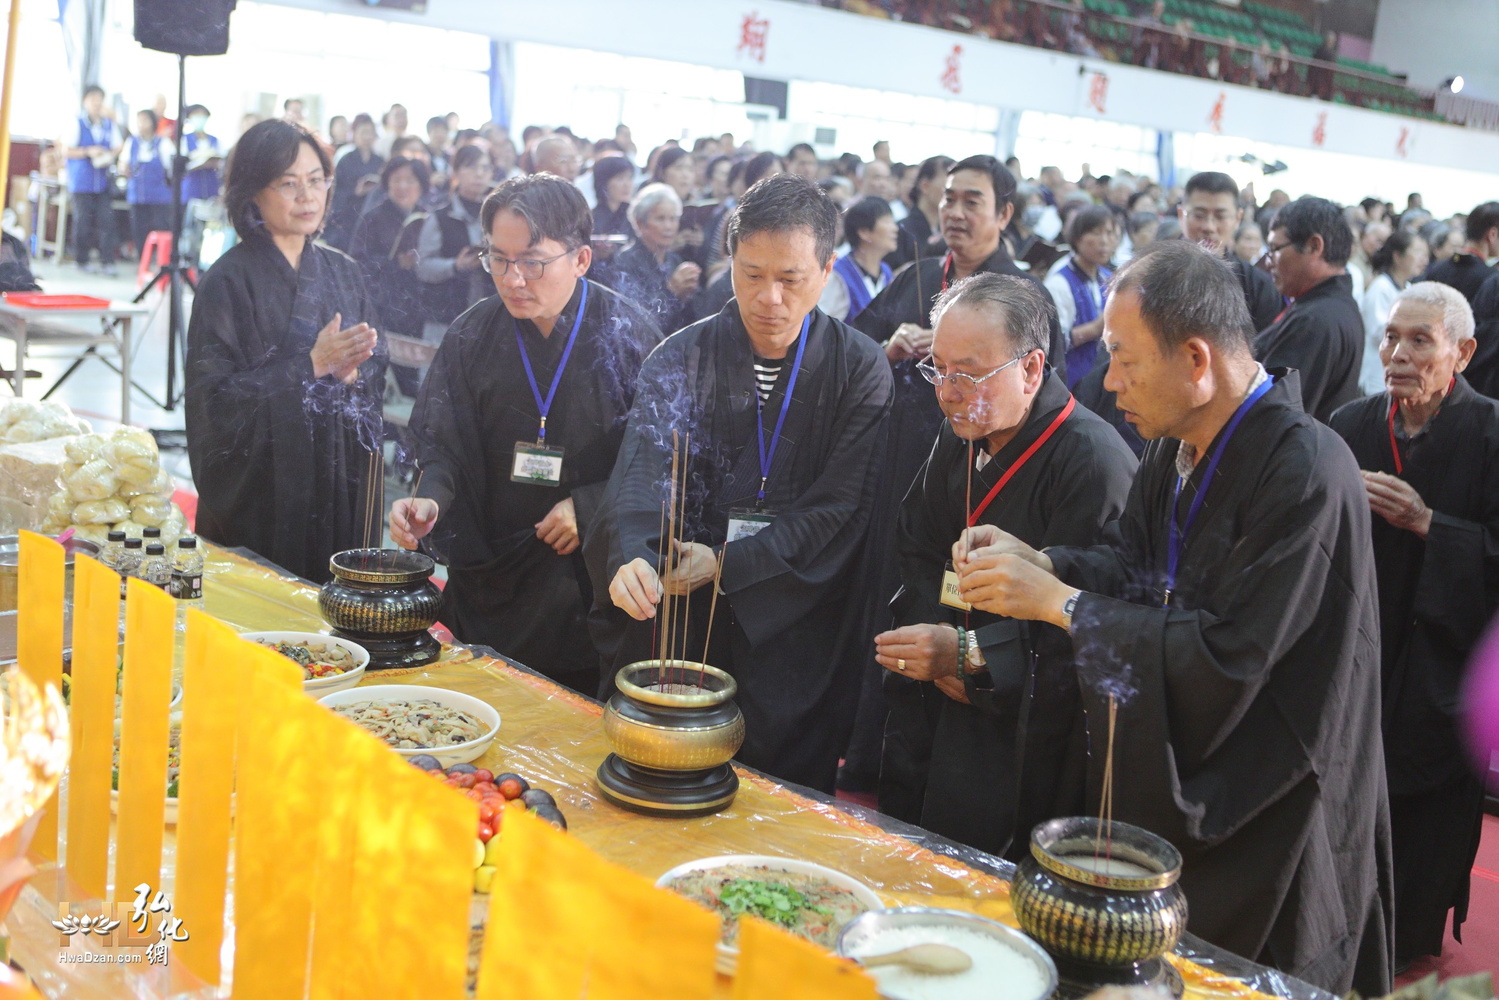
point(985, 736)
point(785, 408)
point(1320, 335)
point(977, 205)
point(517, 426)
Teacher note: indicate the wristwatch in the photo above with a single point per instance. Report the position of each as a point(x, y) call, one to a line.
point(1069, 606)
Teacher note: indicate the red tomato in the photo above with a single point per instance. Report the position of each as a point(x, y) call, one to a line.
point(487, 810)
point(471, 793)
point(486, 832)
point(511, 788)
point(483, 774)
point(465, 781)
point(485, 786)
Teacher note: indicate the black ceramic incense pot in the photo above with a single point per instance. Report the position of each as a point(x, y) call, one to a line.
point(1107, 917)
point(673, 727)
point(384, 599)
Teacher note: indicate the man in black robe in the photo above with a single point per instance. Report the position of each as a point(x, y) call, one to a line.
point(1429, 448)
point(1231, 616)
point(982, 750)
point(506, 519)
point(1321, 335)
point(1483, 371)
point(1469, 268)
point(977, 205)
point(786, 409)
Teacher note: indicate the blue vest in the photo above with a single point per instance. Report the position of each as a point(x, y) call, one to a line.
point(148, 178)
point(853, 279)
point(1080, 358)
point(204, 182)
point(83, 176)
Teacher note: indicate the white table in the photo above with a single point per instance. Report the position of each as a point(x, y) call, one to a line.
point(108, 326)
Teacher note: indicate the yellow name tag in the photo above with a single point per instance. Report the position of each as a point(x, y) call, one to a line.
point(950, 594)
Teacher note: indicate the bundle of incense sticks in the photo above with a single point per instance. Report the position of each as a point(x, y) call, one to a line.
point(374, 496)
point(1103, 841)
point(671, 635)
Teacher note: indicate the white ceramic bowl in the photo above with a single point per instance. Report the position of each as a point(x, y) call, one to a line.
point(460, 753)
point(728, 955)
point(322, 685)
point(861, 935)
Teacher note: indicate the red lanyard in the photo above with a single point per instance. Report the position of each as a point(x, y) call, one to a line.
point(946, 269)
point(973, 518)
point(1394, 446)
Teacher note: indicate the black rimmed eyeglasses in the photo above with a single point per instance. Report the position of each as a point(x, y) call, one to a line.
point(530, 269)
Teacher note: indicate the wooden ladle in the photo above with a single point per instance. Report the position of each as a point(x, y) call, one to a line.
point(937, 959)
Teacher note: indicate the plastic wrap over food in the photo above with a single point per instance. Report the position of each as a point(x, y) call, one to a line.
point(93, 480)
point(149, 509)
point(24, 420)
point(84, 448)
point(131, 452)
point(100, 511)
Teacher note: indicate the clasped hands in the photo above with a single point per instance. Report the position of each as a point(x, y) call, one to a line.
point(636, 589)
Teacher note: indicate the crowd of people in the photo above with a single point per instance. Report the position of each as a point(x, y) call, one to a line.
point(972, 461)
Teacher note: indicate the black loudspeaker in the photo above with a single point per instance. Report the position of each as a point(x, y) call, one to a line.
point(184, 27)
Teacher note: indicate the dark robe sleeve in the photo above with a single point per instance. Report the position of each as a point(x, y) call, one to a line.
point(776, 576)
point(887, 310)
point(1459, 582)
point(1195, 674)
point(1483, 371)
point(445, 411)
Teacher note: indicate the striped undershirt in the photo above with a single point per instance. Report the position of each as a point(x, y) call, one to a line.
point(767, 370)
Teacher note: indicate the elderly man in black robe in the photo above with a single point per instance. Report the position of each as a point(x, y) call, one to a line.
point(786, 409)
point(1231, 615)
point(517, 426)
point(1429, 448)
point(1321, 335)
point(985, 737)
point(977, 204)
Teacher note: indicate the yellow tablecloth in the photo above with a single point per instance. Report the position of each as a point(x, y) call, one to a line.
point(554, 739)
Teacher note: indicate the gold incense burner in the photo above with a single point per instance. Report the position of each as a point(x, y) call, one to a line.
point(673, 727)
point(1105, 920)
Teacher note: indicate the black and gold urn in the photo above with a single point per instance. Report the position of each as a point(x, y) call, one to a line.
point(673, 727)
point(1106, 907)
point(384, 599)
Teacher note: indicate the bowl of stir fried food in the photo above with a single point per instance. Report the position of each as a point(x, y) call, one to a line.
point(802, 898)
point(328, 662)
point(414, 719)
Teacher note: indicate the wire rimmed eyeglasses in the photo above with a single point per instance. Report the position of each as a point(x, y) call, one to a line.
point(529, 269)
point(965, 384)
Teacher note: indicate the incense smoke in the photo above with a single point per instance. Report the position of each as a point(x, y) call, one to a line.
point(1101, 668)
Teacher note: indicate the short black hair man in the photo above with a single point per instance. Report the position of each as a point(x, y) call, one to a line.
point(517, 425)
point(786, 408)
point(1321, 335)
point(1241, 647)
point(1469, 268)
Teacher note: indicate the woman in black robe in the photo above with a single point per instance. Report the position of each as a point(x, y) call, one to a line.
point(649, 270)
point(384, 244)
point(284, 370)
point(1429, 450)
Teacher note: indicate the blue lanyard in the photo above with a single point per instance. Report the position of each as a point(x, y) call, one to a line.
point(543, 407)
point(1178, 536)
point(767, 457)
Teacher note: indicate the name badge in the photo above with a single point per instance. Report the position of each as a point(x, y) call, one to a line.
point(747, 523)
point(950, 593)
point(536, 465)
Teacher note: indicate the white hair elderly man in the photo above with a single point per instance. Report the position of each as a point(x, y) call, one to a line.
point(1429, 448)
